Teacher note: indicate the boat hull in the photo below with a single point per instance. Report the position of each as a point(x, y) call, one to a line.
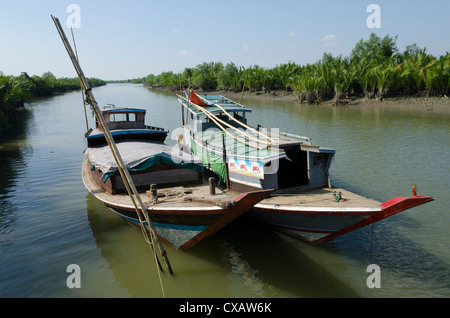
point(184, 227)
point(318, 224)
point(181, 220)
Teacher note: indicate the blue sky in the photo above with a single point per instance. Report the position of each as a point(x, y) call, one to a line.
point(134, 38)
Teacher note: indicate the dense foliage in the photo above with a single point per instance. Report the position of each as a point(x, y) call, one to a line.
point(15, 91)
point(374, 69)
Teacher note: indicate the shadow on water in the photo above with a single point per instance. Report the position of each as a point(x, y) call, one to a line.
point(278, 263)
point(408, 269)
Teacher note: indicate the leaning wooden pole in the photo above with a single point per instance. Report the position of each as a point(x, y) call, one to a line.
point(82, 91)
point(140, 207)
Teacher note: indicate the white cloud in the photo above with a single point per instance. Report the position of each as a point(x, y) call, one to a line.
point(174, 29)
point(290, 34)
point(330, 40)
point(245, 46)
point(185, 52)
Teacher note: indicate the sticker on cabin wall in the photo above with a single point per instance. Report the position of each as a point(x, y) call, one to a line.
point(247, 168)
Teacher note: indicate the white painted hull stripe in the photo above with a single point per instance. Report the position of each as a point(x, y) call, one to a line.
point(318, 209)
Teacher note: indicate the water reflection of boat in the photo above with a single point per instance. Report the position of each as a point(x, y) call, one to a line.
point(181, 205)
point(247, 158)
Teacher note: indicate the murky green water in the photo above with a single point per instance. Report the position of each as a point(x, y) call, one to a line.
point(48, 220)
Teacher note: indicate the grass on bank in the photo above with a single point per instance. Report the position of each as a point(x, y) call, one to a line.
point(375, 69)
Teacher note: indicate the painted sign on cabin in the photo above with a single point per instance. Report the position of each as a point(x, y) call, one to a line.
point(245, 167)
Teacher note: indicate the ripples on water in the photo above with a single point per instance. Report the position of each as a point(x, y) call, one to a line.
point(48, 220)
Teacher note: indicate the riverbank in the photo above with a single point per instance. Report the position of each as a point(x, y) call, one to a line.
point(425, 104)
point(429, 104)
point(16, 91)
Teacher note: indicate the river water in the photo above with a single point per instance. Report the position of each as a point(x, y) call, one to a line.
point(48, 220)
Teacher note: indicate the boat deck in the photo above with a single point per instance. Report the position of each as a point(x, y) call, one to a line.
point(168, 198)
point(96, 132)
point(322, 198)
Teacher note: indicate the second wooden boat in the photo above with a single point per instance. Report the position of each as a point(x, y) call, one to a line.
point(246, 158)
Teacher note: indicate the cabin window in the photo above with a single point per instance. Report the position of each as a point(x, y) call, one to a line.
point(121, 117)
point(118, 117)
point(238, 117)
point(131, 117)
point(320, 160)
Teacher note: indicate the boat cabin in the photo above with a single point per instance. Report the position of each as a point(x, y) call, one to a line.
point(125, 123)
point(256, 158)
point(219, 108)
point(124, 118)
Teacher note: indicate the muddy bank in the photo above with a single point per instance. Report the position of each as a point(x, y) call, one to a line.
point(426, 104)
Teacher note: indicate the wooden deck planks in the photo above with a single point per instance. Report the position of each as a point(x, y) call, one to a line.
point(320, 197)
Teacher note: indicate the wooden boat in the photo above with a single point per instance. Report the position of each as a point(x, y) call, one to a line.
point(246, 158)
point(181, 205)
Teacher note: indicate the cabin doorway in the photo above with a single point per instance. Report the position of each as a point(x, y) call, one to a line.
point(293, 170)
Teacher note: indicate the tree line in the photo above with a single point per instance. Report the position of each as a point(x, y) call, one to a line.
point(15, 91)
point(375, 69)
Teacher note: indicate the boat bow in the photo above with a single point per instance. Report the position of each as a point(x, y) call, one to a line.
point(241, 204)
point(388, 208)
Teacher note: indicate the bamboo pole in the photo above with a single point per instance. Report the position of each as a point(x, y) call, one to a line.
point(82, 91)
point(139, 205)
point(217, 120)
point(238, 121)
point(288, 134)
